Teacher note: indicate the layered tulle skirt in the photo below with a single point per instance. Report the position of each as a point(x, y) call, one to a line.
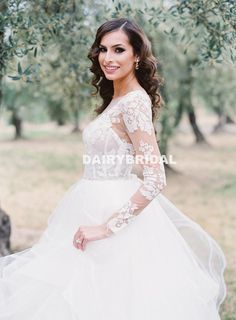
point(161, 266)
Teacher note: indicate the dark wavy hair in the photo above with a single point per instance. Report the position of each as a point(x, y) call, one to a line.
point(146, 74)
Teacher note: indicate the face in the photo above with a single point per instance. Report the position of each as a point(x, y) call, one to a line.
point(116, 56)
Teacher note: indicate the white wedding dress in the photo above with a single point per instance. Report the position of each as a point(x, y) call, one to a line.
point(158, 264)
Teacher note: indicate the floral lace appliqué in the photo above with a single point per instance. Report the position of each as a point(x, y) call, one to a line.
point(137, 122)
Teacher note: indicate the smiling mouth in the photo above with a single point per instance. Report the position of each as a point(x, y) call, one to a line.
point(111, 68)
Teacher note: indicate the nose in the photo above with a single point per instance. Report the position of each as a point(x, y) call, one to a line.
point(108, 56)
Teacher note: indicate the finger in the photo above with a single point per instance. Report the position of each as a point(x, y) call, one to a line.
point(76, 237)
point(80, 244)
point(77, 244)
point(83, 244)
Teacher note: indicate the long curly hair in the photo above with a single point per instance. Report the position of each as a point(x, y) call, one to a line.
point(146, 74)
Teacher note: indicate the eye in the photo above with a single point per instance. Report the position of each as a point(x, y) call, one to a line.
point(120, 49)
point(101, 49)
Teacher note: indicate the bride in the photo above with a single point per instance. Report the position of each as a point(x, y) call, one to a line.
point(115, 248)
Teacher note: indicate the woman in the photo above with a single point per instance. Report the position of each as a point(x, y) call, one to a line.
point(134, 254)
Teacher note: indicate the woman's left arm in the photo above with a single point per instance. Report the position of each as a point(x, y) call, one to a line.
point(137, 120)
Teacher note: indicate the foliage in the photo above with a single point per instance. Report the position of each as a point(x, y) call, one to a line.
point(48, 41)
point(211, 22)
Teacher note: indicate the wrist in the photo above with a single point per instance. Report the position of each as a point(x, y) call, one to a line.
point(108, 231)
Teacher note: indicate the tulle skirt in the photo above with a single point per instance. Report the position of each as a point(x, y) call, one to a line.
point(161, 266)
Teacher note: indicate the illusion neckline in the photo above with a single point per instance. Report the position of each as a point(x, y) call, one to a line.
point(114, 99)
point(111, 104)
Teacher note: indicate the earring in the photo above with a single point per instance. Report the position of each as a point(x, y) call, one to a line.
point(137, 66)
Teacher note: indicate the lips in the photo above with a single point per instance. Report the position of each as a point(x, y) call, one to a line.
point(111, 68)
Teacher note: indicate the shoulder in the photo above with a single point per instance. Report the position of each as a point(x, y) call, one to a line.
point(138, 101)
point(137, 95)
point(136, 110)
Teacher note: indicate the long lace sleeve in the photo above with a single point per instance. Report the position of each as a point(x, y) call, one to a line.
point(137, 121)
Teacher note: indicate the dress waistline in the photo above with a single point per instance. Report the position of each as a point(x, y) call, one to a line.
point(128, 177)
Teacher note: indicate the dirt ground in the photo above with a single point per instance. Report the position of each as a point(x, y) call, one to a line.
point(35, 173)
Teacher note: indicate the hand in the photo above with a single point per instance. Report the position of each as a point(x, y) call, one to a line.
point(90, 233)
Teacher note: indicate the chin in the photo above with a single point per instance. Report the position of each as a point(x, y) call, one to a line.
point(111, 77)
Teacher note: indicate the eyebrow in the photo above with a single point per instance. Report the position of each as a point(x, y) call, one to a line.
point(116, 45)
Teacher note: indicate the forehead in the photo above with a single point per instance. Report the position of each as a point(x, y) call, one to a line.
point(115, 37)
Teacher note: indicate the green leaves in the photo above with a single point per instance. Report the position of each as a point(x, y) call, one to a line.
point(52, 41)
point(213, 21)
point(26, 75)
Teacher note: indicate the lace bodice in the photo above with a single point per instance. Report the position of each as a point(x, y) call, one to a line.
point(119, 137)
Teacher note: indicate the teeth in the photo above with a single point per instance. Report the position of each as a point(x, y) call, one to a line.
point(111, 68)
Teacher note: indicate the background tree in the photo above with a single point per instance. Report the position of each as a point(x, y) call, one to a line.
point(55, 37)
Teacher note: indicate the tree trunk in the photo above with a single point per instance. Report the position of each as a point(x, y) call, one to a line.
point(178, 115)
point(76, 129)
point(17, 123)
point(197, 132)
point(3, 10)
point(61, 122)
point(229, 120)
point(5, 232)
point(221, 122)
point(187, 99)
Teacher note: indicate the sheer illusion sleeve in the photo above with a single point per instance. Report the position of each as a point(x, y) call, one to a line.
point(137, 121)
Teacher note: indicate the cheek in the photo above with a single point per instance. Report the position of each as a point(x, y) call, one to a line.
point(126, 64)
point(99, 59)
point(126, 60)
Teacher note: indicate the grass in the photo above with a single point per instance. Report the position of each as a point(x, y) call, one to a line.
point(228, 188)
point(35, 173)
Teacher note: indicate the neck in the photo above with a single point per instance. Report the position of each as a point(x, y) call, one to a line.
point(122, 86)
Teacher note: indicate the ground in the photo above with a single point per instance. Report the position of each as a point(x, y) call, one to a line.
point(35, 173)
